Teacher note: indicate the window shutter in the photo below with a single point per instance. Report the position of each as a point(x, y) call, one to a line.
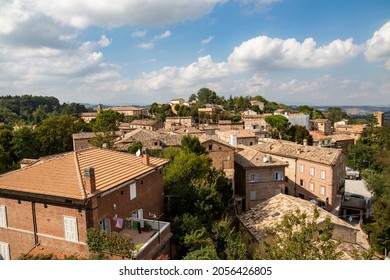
point(4, 251)
point(253, 195)
point(133, 191)
point(70, 225)
point(3, 216)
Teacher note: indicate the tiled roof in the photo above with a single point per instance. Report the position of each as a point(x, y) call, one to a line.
point(62, 175)
point(292, 150)
point(269, 213)
point(138, 134)
point(252, 158)
point(203, 138)
point(144, 122)
point(241, 133)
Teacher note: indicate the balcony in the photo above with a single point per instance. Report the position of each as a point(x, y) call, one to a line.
point(149, 236)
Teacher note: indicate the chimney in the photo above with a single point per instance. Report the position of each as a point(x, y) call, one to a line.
point(304, 142)
point(89, 178)
point(145, 157)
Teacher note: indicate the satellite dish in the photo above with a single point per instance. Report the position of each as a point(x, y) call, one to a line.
point(265, 159)
point(138, 153)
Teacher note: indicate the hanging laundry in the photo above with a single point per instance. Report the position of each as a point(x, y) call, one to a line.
point(119, 222)
point(115, 217)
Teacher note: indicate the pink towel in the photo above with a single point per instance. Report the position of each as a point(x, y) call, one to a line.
point(119, 222)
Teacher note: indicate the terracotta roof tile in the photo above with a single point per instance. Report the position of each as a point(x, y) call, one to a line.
point(292, 150)
point(269, 213)
point(63, 175)
point(252, 158)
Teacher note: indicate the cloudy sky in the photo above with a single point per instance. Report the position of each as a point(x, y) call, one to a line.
point(138, 52)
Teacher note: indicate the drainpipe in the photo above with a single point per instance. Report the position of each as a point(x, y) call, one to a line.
point(295, 179)
point(34, 218)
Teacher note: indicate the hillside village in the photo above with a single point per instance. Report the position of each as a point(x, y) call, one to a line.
point(253, 162)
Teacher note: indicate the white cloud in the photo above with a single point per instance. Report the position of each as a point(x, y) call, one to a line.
point(146, 46)
point(378, 47)
point(108, 13)
point(274, 53)
point(206, 41)
point(139, 34)
point(164, 35)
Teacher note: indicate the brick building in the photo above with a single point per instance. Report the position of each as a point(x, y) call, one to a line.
point(313, 173)
point(52, 202)
point(258, 177)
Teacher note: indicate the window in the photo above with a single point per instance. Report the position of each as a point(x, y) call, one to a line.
point(312, 187)
point(323, 174)
point(210, 147)
point(279, 176)
point(253, 178)
point(302, 183)
point(253, 195)
point(302, 168)
point(3, 216)
point(105, 225)
point(322, 190)
point(4, 251)
point(277, 191)
point(311, 171)
point(70, 228)
point(133, 191)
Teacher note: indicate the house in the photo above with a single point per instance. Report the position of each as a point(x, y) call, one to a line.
point(380, 118)
point(256, 122)
point(295, 119)
point(220, 152)
point(313, 172)
point(88, 116)
point(238, 137)
point(129, 111)
point(322, 125)
point(356, 131)
point(341, 141)
point(255, 222)
point(149, 139)
point(53, 202)
point(82, 140)
point(257, 103)
point(173, 122)
point(146, 124)
point(258, 177)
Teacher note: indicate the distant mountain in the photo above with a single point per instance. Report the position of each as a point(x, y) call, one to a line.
point(357, 110)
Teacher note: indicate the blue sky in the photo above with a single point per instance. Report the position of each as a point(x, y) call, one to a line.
point(139, 52)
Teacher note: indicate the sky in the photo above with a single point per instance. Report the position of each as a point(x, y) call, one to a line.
point(118, 52)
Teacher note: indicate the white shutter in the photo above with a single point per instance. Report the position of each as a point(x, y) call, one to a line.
point(140, 215)
point(3, 216)
point(4, 251)
point(133, 191)
point(70, 228)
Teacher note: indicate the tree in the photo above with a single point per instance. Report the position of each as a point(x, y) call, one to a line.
point(298, 238)
point(336, 114)
point(379, 227)
point(135, 147)
point(55, 134)
point(191, 144)
point(25, 143)
point(204, 253)
point(278, 125)
point(297, 134)
point(7, 158)
point(107, 120)
point(317, 115)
